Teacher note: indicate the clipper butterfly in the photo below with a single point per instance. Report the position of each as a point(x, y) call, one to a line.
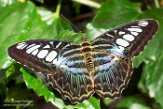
point(77, 71)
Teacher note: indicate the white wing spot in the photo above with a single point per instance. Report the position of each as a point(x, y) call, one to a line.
point(56, 62)
point(58, 44)
point(121, 32)
point(35, 52)
point(51, 42)
point(47, 46)
point(32, 49)
point(21, 45)
point(122, 42)
point(42, 54)
point(51, 56)
point(134, 33)
point(135, 29)
point(143, 23)
point(128, 37)
point(31, 46)
point(135, 26)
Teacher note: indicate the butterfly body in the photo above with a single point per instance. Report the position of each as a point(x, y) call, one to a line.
point(77, 71)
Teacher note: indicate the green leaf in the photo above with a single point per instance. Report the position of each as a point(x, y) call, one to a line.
point(149, 53)
point(42, 90)
point(153, 69)
point(21, 21)
point(6, 2)
point(71, 36)
point(92, 103)
point(115, 12)
point(92, 32)
point(154, 78)
point(132, 103)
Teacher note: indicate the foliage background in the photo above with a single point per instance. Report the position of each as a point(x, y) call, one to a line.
point(23, 20)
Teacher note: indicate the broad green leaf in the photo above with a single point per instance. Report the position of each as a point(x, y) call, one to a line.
point(20, 21)
point(132, 103)
point(93, 32)
point(108, 101)
point(116, 12)
point(92, 103)
point(154, 78)
point(154, 69)
point(149, 52)
point(42, 90)
point(6, 2)
point(71, 36)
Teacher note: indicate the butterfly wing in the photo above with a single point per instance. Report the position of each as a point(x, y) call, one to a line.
point(113, 52)
point(62, 64)
point(127, 40)
point(36, 54)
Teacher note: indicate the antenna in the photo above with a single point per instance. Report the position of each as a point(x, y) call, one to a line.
point(70, 23)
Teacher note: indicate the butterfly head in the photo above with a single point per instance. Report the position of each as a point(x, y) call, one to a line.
point(84, 39)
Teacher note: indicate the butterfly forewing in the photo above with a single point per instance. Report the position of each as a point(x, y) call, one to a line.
point(77, 71)
point(127, 40)
point(36, 54)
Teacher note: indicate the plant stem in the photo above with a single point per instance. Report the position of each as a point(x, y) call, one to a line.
point(88, 3)
point(57, 12)
point(156, 3)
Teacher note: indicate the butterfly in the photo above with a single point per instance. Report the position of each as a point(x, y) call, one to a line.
point(77, 71)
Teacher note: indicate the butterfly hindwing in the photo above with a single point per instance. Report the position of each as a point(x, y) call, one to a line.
point(112, 76)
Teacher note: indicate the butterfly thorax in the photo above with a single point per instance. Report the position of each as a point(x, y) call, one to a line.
point(87, 51)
